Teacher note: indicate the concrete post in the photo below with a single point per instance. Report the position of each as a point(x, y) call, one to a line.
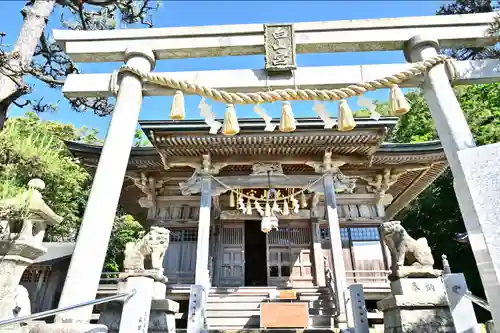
point(88, 257)
point(336, 248)
point(136, 309)
point(475, 170)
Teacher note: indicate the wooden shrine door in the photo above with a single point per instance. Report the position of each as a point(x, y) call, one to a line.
point(289, 256)
point(232, 256)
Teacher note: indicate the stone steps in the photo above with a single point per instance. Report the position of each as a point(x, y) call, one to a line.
point(239, 308)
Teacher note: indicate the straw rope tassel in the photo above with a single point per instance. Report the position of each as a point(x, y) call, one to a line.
point(249, 207)
point(177, 108)
point(232, 202)
point(230, 125)
point(286, 210)
point(267, 210)
point(346, 119)
point(397, 101)
point(287, 121)
point(303, 201)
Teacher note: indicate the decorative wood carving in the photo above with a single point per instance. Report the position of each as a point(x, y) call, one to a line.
point(263, 168)
point(193, 184)
point(164, 159)
point(382, 182)
point(328, 165)
point(150, 186)
point(207, 167)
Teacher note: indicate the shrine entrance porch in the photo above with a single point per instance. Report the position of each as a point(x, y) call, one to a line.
point(255, 255)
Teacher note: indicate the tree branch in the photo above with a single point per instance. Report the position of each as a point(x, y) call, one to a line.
point(44, 78)
point(51, 65)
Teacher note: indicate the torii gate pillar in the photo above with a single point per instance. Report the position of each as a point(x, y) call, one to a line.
point(88, 257)
point(476, 170)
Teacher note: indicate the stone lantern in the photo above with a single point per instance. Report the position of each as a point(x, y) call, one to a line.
point(23, 229)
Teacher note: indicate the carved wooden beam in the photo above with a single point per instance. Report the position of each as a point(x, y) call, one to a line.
point(194, 162)
point(330, 164)
point(382, 182)
point(149, 185)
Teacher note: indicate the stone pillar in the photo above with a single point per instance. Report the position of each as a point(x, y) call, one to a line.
point(358, 305)
point(135, 312)
point(417, 304)
point(319, 263)
point(474, 170)
point(84, 272)
point(148, 308)
point(462, 311)
point(336, 247)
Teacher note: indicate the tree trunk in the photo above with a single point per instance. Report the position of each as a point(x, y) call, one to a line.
point(11, 78)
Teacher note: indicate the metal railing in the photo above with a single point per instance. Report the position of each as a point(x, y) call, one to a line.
point(478, 301)
point(49, 313)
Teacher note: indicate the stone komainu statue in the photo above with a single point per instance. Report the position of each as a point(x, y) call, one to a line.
point(150, 249)
point(401, 245)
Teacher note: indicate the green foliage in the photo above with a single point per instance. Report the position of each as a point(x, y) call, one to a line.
point(31, 148)
point(435, 214)
point(125, 229)
point(140, 140)
point(382, 108)
point(417, 125)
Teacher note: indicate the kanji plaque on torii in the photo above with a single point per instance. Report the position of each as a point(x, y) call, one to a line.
point(280, 47)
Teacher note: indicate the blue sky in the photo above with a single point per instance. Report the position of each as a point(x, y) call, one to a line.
point(193, 13)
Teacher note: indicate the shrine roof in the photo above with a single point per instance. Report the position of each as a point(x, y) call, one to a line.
point(191, 138)
point(183, 142)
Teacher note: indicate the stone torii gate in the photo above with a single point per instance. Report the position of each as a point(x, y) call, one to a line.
point(473, 168)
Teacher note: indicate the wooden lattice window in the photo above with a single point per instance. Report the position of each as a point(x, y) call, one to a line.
point(184, 235)
point(35, 273)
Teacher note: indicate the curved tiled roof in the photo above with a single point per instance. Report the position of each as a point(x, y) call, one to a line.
point(188, 140)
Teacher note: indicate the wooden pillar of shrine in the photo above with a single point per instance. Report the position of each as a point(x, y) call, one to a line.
point(319, 263)
point(202, 275)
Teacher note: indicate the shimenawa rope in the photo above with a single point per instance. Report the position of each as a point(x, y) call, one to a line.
point(297, 94)
point(248, 197)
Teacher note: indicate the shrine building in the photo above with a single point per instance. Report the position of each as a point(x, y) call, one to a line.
point(313, 250)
